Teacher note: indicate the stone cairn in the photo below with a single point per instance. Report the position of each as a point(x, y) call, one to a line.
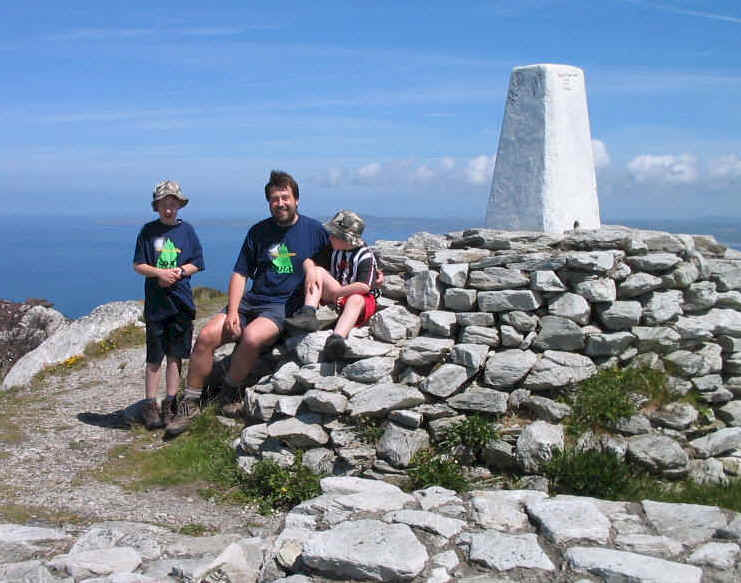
point(501, 322)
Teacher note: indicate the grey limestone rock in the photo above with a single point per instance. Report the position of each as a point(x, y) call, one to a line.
point(597, 290)
point(717, 443)
point(564, 520)
point(497, 278)
point(366, 549)
point(394, 287)
point(284, 379)
point(477, 399)
point(547, 409)
point(297, 433)
point(658, 452)
point(678, 416)
point(472, 356)
point(684, 274)
point(394, 324)
point(325, 402)
point(730, 299)
point(288, 405)
point(638, 284)
point(659, 339)
point(457, 256)
point(620, 315)
point(507, 368)
point(662, 307)
point(454, 274)
point(460, 299)
point(433, 522)
point(369, 370)
point(559, 333)
point(445, 380)
point(71, 339)
point(422, 350)
point(365, 348)
point(728, 280)
point(715, 554)
point(86, 564)
point(546, 281)
point(593, 261)
point(520, 321)
point(571, 306)
point(653, 262)
point(475, 319)
point(558, 369)
point(730, 414)
point(504, 552)
point(637, 424)
point(438, 322)
point(503, 510)
point(648, 544)
point(423, 291)
point(608, 344)
point(623, 566)
point(399, 444)
point(479, 335)
point(700, 296)
point(690, 524)
point(378, 400)
point(310, 347)
point(510, 337)
point(508, 300)
point(536, 444)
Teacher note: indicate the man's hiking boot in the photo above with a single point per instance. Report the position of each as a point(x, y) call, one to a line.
point(335, 347)
point(188, 409)
point(304, 319)
point(168, 410)
point(233, 410)
point(151, 415)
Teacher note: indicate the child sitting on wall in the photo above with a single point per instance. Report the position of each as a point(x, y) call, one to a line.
point(348, 285)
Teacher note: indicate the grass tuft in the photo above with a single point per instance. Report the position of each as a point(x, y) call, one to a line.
point(430, 468)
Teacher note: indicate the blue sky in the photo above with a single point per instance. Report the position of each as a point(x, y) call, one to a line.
point(388, 108)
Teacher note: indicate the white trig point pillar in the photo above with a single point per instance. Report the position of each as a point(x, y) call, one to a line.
point(544, 173)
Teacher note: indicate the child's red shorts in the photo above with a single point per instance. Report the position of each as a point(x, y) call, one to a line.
point(368, 310)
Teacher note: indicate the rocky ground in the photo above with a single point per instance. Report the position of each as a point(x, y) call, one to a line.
point(56, 434)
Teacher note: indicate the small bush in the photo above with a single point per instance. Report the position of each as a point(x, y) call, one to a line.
point(125, 337)
point(430, 468)
point(369, 429)
point(275, 488)
point(593, 473)
point(602, 400)
point(473, 433)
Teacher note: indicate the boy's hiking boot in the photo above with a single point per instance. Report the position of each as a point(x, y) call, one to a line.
point(229, 401)
point(335, 347)
point(188, 409)
point(168, 410)
point(304, 319)
point(151, 415)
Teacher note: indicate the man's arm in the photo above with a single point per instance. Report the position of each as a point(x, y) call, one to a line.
point(236, 291)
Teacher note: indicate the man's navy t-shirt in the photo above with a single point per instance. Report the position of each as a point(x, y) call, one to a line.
point(272, 256)
point(167, 247)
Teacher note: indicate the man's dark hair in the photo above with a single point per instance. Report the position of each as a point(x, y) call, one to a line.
point(280, 180)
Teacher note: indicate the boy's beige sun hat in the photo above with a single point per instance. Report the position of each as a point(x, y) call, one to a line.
point(165, 189)
point(348, 226)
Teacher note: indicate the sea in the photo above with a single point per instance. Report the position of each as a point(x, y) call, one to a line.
point(80, 262)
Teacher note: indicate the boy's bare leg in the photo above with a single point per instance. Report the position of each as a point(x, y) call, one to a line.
point(202, 357)
point(152, 376)
point(354, 305)
point(172, 375)
point(257, 334)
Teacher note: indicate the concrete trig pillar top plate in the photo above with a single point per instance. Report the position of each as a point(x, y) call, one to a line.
point(544, 173)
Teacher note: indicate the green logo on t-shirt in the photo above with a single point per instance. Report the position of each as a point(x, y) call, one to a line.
point(168, 258)
point(281, 258)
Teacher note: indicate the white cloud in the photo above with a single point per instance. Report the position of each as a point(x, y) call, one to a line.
point(447, 163)
point(367, 173)
point(479, 170)
point(725, 167)
point(664, 169)
point(424, 173)
point(331, 178)
point(600, 155)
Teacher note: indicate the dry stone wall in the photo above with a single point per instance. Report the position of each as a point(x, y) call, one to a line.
point(500, 323)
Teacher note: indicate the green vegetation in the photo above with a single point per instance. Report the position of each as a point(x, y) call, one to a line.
point(208, 300)
point(127, 337)
point(368, 429)
point(602, 400)
point(203, 459)
point(472, 433)
point(604, 475)
point(274, 487)
point(430, 468)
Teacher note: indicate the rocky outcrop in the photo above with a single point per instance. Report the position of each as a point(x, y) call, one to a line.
point(367, 530)
point(23, 327)
point(70, 338)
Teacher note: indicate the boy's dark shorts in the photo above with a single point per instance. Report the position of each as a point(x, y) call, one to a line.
point(172, 336)
point(249, 310)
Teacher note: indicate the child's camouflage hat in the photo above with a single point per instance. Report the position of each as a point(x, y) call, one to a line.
point(348, 226)
point(168, 188)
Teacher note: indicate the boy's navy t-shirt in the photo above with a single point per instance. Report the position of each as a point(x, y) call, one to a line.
point(272, 256)
point(167, 247)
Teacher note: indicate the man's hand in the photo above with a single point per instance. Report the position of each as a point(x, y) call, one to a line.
point(232, 325)
point(166, 277)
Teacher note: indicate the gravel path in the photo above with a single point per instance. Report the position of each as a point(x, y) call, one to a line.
point(68, 426)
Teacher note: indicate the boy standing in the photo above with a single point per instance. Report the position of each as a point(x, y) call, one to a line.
point(348, 284)
point(167, 253)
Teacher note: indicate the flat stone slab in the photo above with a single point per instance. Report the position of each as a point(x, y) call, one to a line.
point(378, 400)
point(503, 510)
point(496, 550)
point(690, 524)
point(428, 521)
point(564, 520)
point(717, 443)
point(15, 533)
point(623, 566)
point(366, 549)
point(98, 562)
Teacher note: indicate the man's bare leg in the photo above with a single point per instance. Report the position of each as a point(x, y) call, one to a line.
point(259, 333)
